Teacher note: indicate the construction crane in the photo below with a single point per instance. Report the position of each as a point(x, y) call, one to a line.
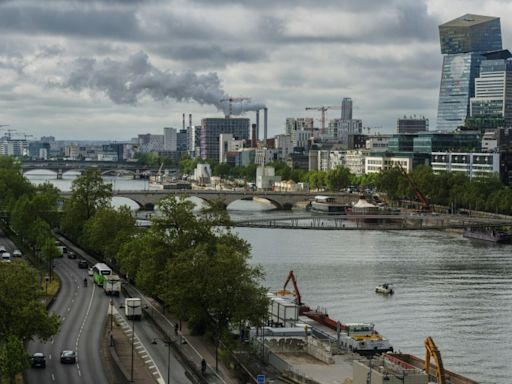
point(323, 109)
point(431, 351)
point(425, 205)
point(232, 100)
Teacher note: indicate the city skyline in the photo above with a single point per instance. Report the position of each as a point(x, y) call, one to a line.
point(64, 65)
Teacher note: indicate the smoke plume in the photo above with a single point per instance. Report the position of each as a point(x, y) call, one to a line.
point(124, 82)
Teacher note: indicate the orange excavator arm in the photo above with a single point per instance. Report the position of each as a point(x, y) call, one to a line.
point(291, 277)
point(425, 205)
point(432, 351)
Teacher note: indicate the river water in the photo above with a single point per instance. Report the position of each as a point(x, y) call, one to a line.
point(456, 290)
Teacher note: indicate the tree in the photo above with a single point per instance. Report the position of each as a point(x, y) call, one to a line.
point(108, 229)
point(88, 194)
point(13, 358)
point(338, 178)
point(23, 314)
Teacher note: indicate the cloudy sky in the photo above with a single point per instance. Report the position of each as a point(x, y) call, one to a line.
point(86, 69)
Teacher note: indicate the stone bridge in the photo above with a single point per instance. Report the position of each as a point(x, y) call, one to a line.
point(281, 200)
point(105, 167)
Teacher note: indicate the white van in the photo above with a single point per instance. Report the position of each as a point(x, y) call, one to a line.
point(6, 257)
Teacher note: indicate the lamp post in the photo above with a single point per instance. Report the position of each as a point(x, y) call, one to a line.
point(111, 319)
point(168, 343)
point(132, 307)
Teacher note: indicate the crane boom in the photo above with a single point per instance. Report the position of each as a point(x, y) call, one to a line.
point(323, 109)
point(291, 277)
point(425, 205)
point(431, 351)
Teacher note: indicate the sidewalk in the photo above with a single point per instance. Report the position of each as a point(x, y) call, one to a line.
point(193, 348)
point(121, 354)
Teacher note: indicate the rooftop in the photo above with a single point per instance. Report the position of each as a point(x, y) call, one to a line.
point(468, 20)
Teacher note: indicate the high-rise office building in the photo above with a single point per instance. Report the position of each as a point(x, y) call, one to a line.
point(170, 139)
point(346, 109)
point(211, 128)
point(493, 91)
point(464, 42)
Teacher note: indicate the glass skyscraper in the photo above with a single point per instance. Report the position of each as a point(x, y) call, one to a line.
point(464, 42)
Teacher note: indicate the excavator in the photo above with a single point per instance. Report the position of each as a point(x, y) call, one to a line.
point(425, 205)
point(296, 293)
point(432, 351)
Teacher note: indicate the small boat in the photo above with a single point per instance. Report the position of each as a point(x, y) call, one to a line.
point(385, 289)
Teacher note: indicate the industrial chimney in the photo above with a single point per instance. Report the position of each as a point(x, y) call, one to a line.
point(254, 139)
point(190, 120)
point(183, 121)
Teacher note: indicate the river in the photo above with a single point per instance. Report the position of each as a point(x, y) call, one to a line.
point(456, 290)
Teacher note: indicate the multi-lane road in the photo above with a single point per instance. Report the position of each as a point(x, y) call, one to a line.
point(83, 312)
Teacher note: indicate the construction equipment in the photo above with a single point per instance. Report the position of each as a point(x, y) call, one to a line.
point(432, 351)
point(291, 277)
point(425, 205)
point(323, 109)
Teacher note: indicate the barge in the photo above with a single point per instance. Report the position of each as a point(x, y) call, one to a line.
point(488, 234)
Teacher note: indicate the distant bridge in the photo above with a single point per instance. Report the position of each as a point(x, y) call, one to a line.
point(106, 168)
point(281, 200)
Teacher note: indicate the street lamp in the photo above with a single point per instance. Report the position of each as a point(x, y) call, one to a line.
point(111, 320)
point(168, 343)
point(132, 307)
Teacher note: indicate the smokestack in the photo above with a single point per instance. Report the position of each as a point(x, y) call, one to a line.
point(257, 124)
point(265, 124)
point(190, 120)
point(254, 138)
point(183, 121)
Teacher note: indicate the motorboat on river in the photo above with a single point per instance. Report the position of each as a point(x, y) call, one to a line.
point(385, 289)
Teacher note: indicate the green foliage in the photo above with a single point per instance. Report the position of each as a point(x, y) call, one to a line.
point(13, 357)
point(107, 230)
point(23, 314)
point(154, 160)
point(196, 265)
point(89, 194)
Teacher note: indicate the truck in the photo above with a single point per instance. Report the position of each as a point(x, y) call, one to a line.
point(133, 308)
point(112, 285)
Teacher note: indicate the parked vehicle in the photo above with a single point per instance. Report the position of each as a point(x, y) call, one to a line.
point(112, 285)
point(37, 360)
point(6, 257)
point(16, 253)
point(133, 308)
point(2, 249)
point(68, 357)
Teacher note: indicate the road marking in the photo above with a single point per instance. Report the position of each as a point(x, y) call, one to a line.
point(78, 367)
point(50, 356)
point(84, 320)
point(53, 377)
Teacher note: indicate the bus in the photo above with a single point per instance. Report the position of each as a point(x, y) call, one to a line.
point(99, 271)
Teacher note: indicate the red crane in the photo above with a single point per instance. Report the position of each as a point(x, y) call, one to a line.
point(425, 205)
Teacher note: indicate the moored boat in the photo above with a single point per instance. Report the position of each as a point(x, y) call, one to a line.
point(488, 234)
point(328, 204)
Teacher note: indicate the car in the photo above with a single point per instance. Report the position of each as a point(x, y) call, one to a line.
point(83, 264)
point(2, 249)
point(16, 253)
point(6, 257)
point(37, 360)
point(71, 255)
point(90, 272)
point(68, 357)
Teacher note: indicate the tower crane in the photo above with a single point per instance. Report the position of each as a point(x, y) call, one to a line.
point(323, 109)
point(431, 351)
point(232, 100)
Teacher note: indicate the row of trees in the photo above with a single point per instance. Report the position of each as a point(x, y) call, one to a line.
point(192, 261)
point(32, 213)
